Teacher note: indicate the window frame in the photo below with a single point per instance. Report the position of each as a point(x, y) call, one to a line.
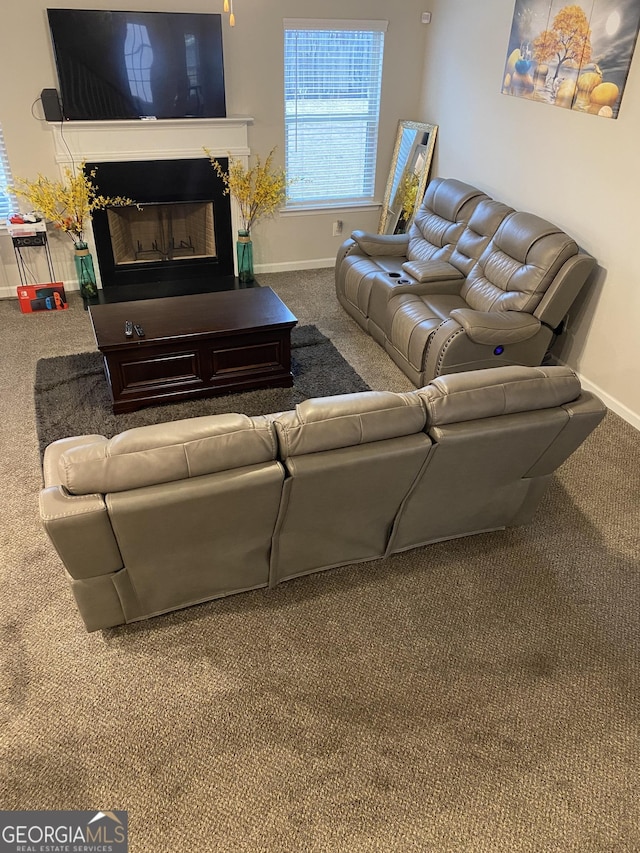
point(365, 200)
point(6, 179)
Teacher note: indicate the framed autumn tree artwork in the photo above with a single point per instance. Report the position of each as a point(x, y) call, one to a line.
point(575, 56)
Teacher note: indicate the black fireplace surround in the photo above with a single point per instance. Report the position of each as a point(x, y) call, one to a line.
point(164, 181)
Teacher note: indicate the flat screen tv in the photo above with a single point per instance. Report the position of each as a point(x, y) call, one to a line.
point(129, 65)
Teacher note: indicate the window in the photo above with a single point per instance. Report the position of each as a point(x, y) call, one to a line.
point(8, 202)
point(138, 59)
point(333, 75)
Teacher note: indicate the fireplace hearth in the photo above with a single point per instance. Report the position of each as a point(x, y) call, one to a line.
point(179, 234)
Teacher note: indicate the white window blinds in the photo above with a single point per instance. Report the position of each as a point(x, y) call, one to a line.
point(8, 203)
point(333, 76)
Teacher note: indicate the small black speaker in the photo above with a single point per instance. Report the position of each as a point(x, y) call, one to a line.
point(51, 104)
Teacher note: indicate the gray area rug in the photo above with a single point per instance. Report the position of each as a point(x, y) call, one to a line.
point(72, 397)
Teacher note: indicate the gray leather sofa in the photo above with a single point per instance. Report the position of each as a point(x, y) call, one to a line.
point(473, 284)
point(166, 516)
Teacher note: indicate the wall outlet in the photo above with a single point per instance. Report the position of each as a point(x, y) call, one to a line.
point(337, 228)
point(426, 17)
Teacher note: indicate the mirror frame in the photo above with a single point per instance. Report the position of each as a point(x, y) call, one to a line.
point(389, 218)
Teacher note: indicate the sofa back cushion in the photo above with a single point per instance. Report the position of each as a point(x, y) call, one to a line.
point(350, 462)
point(347, 420)
point(437, 226)
point(196, 539)
point(484, 223)
point(460, 397)
point(518, 266)
point(498, 435)
point(163, 453)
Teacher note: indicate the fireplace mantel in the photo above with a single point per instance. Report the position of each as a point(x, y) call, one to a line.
point(150, 139)
point(155, 139)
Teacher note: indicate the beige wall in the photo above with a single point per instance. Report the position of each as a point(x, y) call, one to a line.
point(254, 84)
point(578, 170)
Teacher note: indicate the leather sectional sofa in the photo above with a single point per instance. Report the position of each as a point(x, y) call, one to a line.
point(473, 284)
point(166, 516)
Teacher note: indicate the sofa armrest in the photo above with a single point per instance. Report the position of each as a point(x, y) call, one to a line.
point(418, 288)
point(395, 245)
point(432, 271)
point(51, 461)
point(80, 531)
point(564, 289)
point(496, 327)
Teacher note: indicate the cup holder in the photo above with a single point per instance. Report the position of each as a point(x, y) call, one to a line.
point(394, 275)
point(403, 281)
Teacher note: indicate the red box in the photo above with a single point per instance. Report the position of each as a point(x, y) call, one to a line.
point(42, 297)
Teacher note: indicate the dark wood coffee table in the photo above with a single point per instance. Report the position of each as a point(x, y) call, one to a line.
point(194, 346)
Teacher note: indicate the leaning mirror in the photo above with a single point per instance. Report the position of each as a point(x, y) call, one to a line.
point(408, 175)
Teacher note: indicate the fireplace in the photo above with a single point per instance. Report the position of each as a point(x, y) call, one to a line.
point(150, 233)
point(162, 165)
point(179, 232)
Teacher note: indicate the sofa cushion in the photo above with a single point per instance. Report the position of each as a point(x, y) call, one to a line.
point(358, 276)
point(327, 423)
point(484, 223)
point(515, 270)
point(497, 391)
point(412, 319)
point(163, 453)
point(441, 219)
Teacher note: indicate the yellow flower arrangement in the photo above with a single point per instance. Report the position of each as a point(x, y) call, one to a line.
point(68, 205)
point(407, 193)
point(259, 190)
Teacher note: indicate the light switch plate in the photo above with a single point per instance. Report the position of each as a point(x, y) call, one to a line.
point(426, 17)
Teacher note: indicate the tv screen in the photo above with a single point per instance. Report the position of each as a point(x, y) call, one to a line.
point(127, 65)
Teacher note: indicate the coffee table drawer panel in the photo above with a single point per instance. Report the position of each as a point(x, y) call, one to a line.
point(175, 368)
point(239, 358)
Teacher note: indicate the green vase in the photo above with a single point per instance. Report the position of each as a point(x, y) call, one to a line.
point(85, 273)
point(244, 249)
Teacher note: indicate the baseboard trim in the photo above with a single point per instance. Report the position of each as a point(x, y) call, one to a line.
point(292, 266)
point(611, 403)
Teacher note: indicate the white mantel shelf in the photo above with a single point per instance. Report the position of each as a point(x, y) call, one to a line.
point(149, 139)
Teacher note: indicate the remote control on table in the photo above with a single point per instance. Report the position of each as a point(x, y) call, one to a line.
point(139, 330)
point(128, 328)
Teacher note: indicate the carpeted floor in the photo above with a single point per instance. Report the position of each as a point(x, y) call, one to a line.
point(474, 696)
point(72, 396)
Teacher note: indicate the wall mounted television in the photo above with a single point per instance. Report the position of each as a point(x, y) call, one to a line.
point(133, 65)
